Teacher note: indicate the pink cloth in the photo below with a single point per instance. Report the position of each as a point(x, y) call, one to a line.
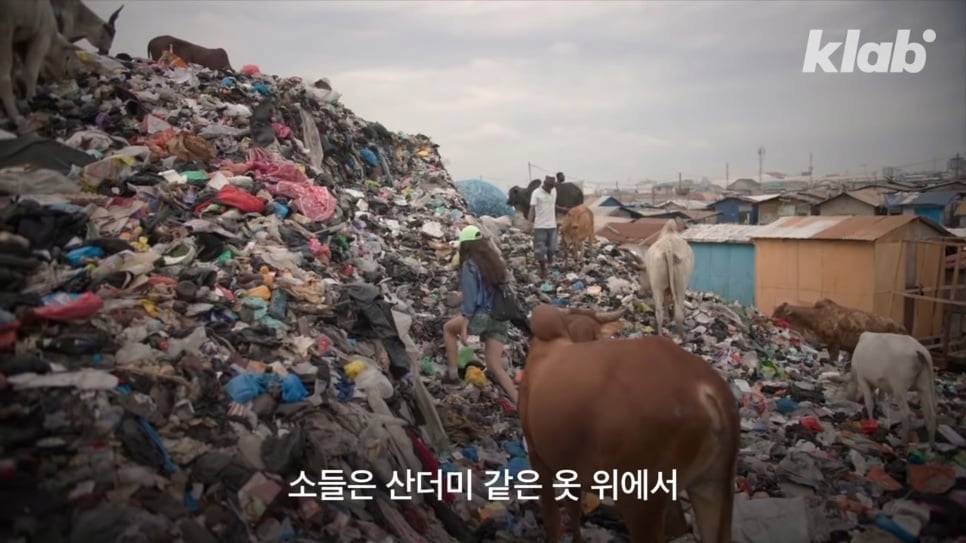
point(250, 69)
point(284, 178)
point(282, 132)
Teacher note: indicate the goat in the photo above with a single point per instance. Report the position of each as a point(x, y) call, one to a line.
point(895, 363)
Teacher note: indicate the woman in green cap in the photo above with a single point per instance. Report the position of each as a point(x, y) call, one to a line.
point(481, 270)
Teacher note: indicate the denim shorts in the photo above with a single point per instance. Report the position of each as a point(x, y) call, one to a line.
point(544, 243)
point(486, 327)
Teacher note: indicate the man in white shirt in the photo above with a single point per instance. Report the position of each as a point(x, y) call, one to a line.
point(543, 216)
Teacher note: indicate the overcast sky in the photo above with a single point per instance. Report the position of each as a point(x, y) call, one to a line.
point(607, 92)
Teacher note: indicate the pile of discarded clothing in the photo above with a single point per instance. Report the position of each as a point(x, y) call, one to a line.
point(213, 284)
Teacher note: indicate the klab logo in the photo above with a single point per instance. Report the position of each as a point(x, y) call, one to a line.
point(889, 57)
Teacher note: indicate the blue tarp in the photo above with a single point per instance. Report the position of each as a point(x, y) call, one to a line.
point(484, 198)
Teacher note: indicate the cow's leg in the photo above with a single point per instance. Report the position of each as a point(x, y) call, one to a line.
point(6, 74)
point(548, 503)
point(574, 512)
point(659, 308)
point(927, 401)
point(34, 61)
point(680, 293)
point(712, 502)
point(866, 391)
point(833, 353)
point(904, 413)
point(644, 519)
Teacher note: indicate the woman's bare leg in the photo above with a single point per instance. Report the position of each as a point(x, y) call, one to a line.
point(494, 362)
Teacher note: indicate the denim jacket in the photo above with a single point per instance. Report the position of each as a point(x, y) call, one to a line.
point(477, 297)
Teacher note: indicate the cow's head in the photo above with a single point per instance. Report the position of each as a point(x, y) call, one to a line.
point(103, 36)
point(825, 302)
point(783, 312)
point(549, 323)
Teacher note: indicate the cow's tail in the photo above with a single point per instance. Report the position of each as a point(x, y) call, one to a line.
point(926, 386)
point(669, 259)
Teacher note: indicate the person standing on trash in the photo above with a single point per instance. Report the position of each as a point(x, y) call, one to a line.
point(481, 272)
point(543, 216)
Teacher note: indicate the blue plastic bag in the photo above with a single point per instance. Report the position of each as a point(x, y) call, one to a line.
point(484, 198)
point(516, 465)
point(279, 209)
point(247, 386)
point(369, 157)
point(260, 88)
point(78, 257)
point(470, 454)
point(786, 405)
point(514, 448)
point(292, 389)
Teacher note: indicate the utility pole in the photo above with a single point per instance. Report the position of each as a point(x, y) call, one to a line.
point(956, 168)
point(810, 179)
point(727, 174)
point(529, 172)
point(761, 160)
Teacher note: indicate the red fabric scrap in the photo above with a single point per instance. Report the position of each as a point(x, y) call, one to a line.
point(81, 308)
point(811, 424)
point(229, 295)
point(321, 252)
point(8, 335)
point(869, 426)
point(250, 69)
point(427, 459)
point(233, 196)
point(282, 132)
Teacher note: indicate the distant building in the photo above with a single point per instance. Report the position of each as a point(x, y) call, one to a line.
point(855, 261)
point(937, 206)
point(745, 186)
point(957, 164)
point(775, 206)
point(856, 202)
point(735, 210)
point(639, 232)
point(724, 261)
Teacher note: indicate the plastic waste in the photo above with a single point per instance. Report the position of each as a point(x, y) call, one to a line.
point(475, 376)
point(292, 389)
point(80, 256)
point(81, 307)
point(244, 387)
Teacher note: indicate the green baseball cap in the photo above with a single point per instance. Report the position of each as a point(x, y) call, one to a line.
point(470, 233)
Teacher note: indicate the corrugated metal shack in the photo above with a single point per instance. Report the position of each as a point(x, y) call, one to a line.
point(859, 262)
point(724, 260)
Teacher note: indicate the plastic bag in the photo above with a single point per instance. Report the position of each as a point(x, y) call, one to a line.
point(81, 307)
point(245, 387)
point(292, 389)
point(239, 199)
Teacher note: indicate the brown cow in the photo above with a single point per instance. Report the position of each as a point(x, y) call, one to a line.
point(628, 405)
point(838, 327)
point(577, 230)
point(215, 59)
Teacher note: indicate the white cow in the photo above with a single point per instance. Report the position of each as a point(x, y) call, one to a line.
point(895, 363)
point(668, 264)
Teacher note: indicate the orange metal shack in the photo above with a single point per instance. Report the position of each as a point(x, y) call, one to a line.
point(863, 262)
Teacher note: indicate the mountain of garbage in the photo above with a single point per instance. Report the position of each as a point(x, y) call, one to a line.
point(223, 298)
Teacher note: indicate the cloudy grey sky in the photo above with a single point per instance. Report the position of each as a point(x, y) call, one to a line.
point(608, 92)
